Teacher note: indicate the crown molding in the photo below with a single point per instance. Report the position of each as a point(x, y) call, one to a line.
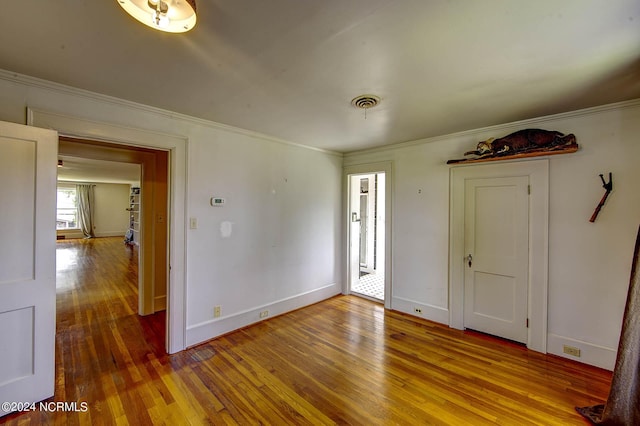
point(514, 125)
point(62, 88)
point(27, 80)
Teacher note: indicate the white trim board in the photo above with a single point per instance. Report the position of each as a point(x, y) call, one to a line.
point(110, 234)
point(591, 354)
point(101, 131)
point(57, 87)
point(429, 312)
point(159, 303)
point(216, 327)
point(538, 172)
point(505, 127)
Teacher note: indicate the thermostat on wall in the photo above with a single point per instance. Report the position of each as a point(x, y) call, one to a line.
point(217, 201)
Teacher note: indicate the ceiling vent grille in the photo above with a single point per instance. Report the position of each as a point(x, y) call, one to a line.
point(365, 101)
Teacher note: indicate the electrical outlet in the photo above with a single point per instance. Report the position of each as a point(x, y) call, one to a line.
point(570, 350)
point(264, 314)
point(417, 310)
point(217, 311)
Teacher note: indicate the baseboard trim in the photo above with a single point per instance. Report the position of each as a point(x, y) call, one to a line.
point(70, 235)
point(159, 303)
point(110, 234)
point(429, 312)
point(598, 356)
point(207, 330)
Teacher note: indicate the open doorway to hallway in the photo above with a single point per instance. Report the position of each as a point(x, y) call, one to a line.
point(175, 152)
point(148, 220)
point(367, 231)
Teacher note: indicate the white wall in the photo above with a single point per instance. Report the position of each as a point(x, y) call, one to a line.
point(111, 218)
point(283, 208)
point(589, 263)
point(277, 236)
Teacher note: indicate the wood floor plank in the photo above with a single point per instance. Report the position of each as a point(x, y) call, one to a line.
point(342, 361)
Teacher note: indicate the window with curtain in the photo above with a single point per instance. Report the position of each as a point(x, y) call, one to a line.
point(86, 199)
point(67, 207)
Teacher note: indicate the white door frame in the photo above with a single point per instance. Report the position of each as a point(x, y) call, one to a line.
point(538, 172)
point(363, 169)
point(102, 131)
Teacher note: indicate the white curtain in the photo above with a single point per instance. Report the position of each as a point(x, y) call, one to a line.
point(85, 209)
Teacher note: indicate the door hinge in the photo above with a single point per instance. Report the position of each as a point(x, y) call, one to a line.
point(527, 322)
point(529, 189)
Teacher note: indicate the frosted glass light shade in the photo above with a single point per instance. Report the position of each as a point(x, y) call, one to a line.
point(173, 16)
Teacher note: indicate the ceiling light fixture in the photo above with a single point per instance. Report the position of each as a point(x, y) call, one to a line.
point(173, 16)
point(365, 102)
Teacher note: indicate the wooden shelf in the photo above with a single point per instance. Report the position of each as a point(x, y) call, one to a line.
point(134, 214)
point(529, 154)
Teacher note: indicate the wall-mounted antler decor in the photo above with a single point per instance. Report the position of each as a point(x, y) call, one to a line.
point(608, 186)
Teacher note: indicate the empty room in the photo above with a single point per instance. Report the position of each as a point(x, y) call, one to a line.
point(336, 212)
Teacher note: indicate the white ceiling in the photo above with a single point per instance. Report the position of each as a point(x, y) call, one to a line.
point(88, 170)
point(289, 68)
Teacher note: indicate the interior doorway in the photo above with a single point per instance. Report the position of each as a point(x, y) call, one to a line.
point(367, 200)
point(153, 199)
point(176, 149)
point(531, 184)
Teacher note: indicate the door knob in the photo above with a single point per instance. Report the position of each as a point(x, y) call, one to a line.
point(470, 259)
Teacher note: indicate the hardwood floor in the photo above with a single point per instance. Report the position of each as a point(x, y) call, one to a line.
point(343, 361)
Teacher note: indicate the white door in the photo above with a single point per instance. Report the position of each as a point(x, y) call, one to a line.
point(28, 160)
point(497, 256)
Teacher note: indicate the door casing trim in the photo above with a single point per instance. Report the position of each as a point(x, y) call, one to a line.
point(538, 276)
point(360, 169)
point(68, 125)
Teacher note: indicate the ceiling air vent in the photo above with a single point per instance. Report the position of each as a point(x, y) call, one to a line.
point(365, 101)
